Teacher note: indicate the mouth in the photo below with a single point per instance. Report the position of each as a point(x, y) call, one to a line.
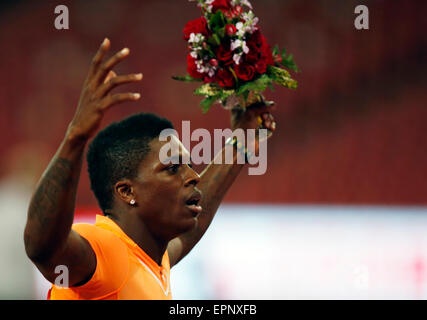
point(193, 203)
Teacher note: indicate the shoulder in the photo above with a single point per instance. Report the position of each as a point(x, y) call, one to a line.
point(94, 232)
point(112, 260)
point(102, 240)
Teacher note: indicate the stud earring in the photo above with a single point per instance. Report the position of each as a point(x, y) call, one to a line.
point(132, 202)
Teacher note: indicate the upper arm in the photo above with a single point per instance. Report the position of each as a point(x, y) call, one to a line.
point(77, 256)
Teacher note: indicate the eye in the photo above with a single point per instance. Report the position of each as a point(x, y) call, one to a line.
point(173, 168)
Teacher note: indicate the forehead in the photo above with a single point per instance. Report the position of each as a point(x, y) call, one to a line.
point(165, 152)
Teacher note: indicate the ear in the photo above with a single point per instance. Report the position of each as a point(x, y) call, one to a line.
point(124, 191)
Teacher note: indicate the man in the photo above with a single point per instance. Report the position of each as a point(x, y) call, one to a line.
point(154, 213)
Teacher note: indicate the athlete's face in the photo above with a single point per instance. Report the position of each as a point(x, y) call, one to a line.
point(166, 193)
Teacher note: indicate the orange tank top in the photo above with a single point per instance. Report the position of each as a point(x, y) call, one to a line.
point(123, 270)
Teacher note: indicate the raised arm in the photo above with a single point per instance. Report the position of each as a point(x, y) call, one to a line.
point(216, 179)
point(49, 239)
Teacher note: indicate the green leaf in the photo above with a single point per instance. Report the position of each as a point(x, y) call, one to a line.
point(212, 41)
point(186, 78)
point(213, 93)
point(288, 61)
point(208, 89)
point(225, 94)
point(246, 94)
point(275, 50)
point(258, 85)
point(217, 21)
point(207, 103)
point(221, 32)
point(216, 39)
point(234, 75)
point(281, 77)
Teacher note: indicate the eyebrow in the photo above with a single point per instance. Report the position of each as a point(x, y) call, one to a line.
point(175, 160)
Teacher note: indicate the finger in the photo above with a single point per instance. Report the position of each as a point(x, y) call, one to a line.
point(268, 121)
point(111, 100)
point(109, 76)
point(99, 56)
point(260, 111)
point(270, 117)
point(110, 63)
point(267, 124)
point(116, 81)
point(261, 107)
point(265, 115)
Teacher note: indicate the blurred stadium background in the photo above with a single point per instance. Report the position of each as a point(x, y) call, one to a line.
point(341, 212)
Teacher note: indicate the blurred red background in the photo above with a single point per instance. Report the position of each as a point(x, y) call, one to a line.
point(353, 133)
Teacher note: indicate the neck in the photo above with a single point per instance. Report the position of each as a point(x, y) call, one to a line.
point(136, 229)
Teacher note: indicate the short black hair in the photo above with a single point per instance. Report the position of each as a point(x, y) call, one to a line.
point(116, 152)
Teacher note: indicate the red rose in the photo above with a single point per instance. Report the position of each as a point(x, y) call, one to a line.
point(230, 29)
point(252, 56)
point(259, 50)
point(224, 54)
point(266, 53)
point(255, 42)
point(261, 66)
point(225, 78)
point(237, 11)
point(223, 5)
point(199, 25)
point(244, 71)
point(213, 62)
point(277, 59)
point(229, 15)
point(207, 79)
point(192, 68)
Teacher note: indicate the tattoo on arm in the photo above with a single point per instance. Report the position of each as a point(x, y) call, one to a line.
point(51, 210)
point(47, 195)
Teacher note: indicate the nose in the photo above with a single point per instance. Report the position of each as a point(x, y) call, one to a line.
point(193, 177)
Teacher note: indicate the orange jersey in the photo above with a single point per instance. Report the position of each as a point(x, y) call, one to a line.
point(123, 270)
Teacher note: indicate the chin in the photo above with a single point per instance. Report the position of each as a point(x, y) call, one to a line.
point(189, 225)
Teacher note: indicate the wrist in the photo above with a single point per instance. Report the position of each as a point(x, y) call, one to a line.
point(75, 136)
point(73, 142)
point(240, 147)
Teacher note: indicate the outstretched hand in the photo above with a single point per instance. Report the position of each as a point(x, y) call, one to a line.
point(96, 98)
point(256, 116)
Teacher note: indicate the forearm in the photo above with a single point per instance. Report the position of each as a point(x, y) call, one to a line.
point(51, 210)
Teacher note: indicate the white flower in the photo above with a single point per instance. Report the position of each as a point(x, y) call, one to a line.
point(239, 44)
point(203, 67)
point(242, 2)
point(250, 22)
point(237, 57)
point(211, 72)
point(240, 29)
point(204, 4)
point(200, 67)
point(245, 47)
point(235, 44)
point(247, 16)
point(246, 3)
point(196, 38)
point(192, 38)
point(209, 5)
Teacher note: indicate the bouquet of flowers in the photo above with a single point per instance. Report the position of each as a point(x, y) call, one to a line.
point(230, 55)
